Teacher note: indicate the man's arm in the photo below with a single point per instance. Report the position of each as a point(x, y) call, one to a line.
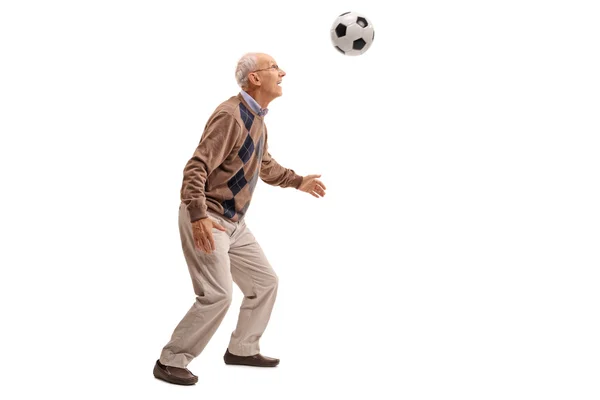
point(274, 174)
point(220, 135)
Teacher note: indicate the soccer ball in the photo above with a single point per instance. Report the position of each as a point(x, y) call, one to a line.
point(352, 33)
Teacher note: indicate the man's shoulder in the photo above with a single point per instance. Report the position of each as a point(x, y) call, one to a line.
point(229, 106)
point(225, 112)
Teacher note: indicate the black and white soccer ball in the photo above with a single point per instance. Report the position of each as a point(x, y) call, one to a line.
point(352, 33)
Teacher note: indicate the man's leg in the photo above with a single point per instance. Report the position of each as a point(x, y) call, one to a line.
point(212, 281)
point(256, 279)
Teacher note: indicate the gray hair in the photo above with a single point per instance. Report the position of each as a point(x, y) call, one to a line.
point(245, 65)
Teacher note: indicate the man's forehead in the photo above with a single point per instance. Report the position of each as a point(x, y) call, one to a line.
point(267, 59)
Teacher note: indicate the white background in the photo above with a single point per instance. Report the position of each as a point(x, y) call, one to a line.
point(455, 255)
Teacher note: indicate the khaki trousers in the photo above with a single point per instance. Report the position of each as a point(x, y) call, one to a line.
point(238, 258)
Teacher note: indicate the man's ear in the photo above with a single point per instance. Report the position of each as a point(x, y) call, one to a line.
point(254, 79)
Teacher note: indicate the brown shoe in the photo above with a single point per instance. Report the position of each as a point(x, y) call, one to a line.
point(178, 376)
point(256, 360)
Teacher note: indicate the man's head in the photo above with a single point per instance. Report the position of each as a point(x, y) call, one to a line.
point(260, 76)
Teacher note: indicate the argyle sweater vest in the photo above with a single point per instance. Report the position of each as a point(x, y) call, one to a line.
point(225, 167)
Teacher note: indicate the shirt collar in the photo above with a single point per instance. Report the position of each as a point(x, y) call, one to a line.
point(254, 105)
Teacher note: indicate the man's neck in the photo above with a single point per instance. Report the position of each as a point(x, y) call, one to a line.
point(262, 100)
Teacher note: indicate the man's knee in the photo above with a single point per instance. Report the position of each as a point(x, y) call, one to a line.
point(272, 281)
point(221, 297)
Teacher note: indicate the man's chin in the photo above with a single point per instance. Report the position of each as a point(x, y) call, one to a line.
point(276, 93)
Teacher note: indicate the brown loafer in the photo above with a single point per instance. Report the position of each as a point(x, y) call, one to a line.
point(256, 360)
point(178, 376)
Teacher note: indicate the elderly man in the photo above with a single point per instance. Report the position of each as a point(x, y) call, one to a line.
point(218, 183)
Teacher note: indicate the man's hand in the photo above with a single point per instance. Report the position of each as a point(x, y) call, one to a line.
point(310, 184)
point(202, 232)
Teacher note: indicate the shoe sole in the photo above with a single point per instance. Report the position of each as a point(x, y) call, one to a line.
point(251, 365)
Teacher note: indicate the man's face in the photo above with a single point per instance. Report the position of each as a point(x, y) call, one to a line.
point(270, 76)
